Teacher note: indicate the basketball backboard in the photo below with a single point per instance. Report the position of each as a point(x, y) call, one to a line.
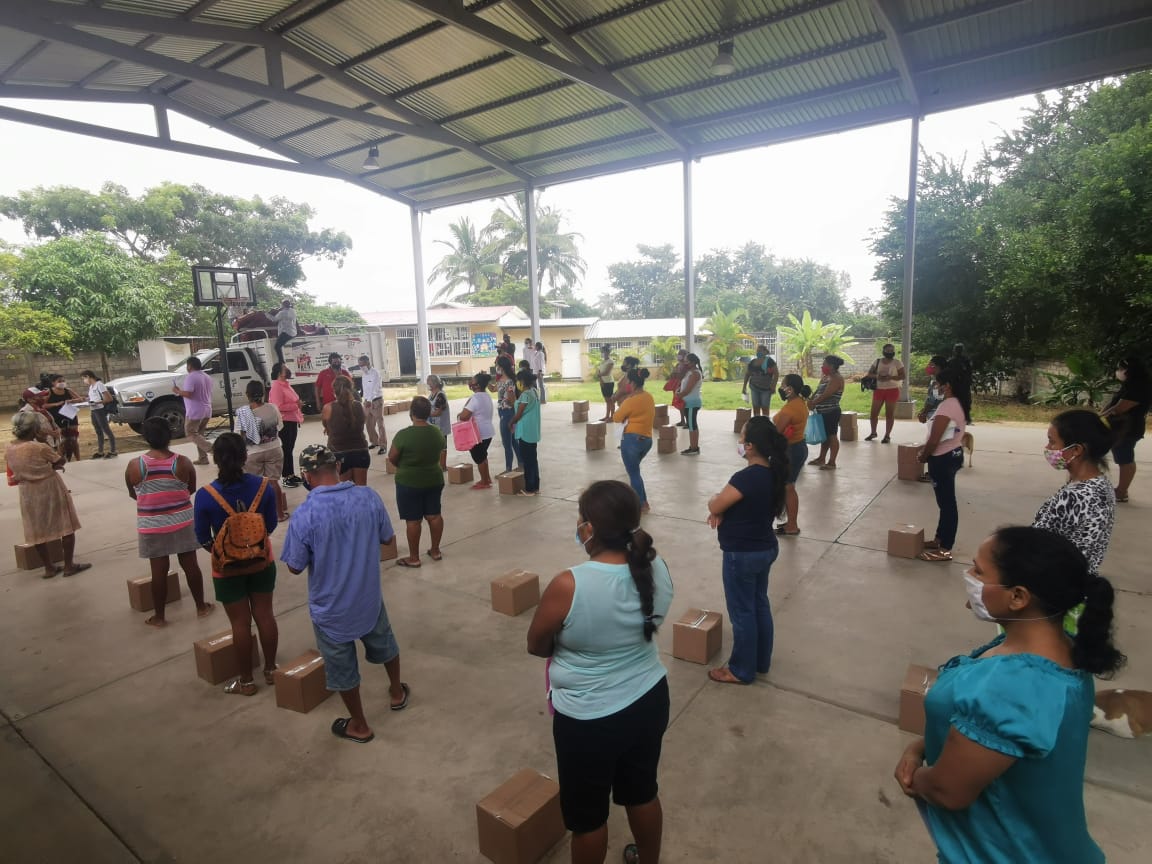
point(223, 286)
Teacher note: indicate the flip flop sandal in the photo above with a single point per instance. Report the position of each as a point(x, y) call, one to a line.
point(783, 533)
point(815, 462)
point(241, 688)
point(828, 467)
point(435, 555)
point(404, 702)
point(722, 675)
point(935, 555)
point(404, 562)
point(269, 676)
point(340, 730)
point(76, 568)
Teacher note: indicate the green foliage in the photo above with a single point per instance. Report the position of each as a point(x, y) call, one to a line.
point(1087, 383)
point(25, 328)
point(308, 311)
point(110, 299)
point(806, 335)
point(558, 261)
point(725, 342)
point(663, 352)
point(650, 287)
point(472, 262)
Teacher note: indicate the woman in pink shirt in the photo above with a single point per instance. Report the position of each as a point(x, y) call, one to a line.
point(945, 456)
point(287, 400)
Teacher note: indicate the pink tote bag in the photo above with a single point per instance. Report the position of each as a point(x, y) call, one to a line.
point(465, 434)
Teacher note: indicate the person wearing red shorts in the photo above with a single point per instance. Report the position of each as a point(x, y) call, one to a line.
point(889, 373)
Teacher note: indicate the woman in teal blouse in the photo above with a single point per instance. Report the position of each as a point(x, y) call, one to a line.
point(999, 773)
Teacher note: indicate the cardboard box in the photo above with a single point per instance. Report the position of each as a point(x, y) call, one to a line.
point(388, 550)
point(917, 682)
point(520, 821)
point(515, 591)
point(596, 429)
point(908, 464)
point(140, 591)
point(905, 541)
point(389, 407)
point(216, 660)
point(667, 433)
point(403, 406)
point(300, 684)
point(696, 637)
point(579, 416)
point(27, 558)
point(594, 444)
point(743, 415)
point(666, 445)
point(510, 482)
point(661, 418)
point(848, 426)
point(580, 405)
point(461, 473)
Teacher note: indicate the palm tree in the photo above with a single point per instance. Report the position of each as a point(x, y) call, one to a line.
point(808, 334)
point(558, 260)
point(725, 341)
point(473, 261)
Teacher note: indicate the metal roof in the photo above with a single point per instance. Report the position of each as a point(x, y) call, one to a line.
point(511, 316)
point(469, 100)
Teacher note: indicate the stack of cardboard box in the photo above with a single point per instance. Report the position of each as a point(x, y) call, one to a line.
point(510, 482)
point(595, 435)
point(666, 439)
point(140, 591)
point(743, 415)
point(580, 411)
point(908, 464)
point(515, 591)
point(461, 473)
point(848, 427)
point(661, 419)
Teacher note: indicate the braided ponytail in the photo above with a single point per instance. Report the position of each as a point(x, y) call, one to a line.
point(641, 554)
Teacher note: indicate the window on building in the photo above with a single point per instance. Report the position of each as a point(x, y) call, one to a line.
point(449, 342)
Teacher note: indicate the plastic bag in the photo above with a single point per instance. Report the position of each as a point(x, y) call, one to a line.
point(465, 434)
point(814, 432)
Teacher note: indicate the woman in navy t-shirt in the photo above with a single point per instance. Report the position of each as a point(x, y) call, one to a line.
point(742, 514)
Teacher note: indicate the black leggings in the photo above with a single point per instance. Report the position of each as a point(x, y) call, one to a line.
point(288, 444)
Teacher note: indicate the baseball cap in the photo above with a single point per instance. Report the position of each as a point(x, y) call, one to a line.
point(316, 456)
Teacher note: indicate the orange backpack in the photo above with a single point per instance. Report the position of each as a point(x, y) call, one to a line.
point(241, 545)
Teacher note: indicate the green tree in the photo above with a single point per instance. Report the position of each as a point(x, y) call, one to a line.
point(110, 299)
point(558, 260)
point(472, 262)
point(806, 335)
point(25, 328)
point(651, 287)
point(725, 342)
point(663, 351)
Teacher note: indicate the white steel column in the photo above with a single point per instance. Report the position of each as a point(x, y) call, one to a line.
point(909, 258)
point(533, 263)
point(422, 335)
point(689, 267)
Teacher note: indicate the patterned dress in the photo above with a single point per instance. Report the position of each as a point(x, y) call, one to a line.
point(45, 502)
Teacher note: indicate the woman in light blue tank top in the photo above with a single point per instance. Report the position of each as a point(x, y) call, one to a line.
point(999, 773)
point(609, 690)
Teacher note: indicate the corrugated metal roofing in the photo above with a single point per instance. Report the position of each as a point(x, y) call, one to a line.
point(476, 99)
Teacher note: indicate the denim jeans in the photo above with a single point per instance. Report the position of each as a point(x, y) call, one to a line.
point(746, 593)
point(633, 449)
point(530, 464)
point(942, 470)
point(511, 445)
point(102, 427)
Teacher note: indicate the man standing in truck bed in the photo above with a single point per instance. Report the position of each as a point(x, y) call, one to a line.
point(196, 390)
point(325, 381)
point(285, 319)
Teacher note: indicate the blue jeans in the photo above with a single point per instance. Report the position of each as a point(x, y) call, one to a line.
point(746, 593)
point(511, 445)
point(942, 470)
point(530, 464)
point(633, 449)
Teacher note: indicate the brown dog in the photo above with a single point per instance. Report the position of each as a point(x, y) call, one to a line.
point(969, 444)
point(1125, 713)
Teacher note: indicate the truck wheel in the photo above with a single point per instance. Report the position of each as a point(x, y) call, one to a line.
point(172, 412)
point(136, 427)
point(309, 403)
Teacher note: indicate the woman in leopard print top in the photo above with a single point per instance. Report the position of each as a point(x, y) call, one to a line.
point(1084, 509)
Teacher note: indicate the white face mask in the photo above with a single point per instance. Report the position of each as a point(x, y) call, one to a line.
point(741, 451)
point(976, 598)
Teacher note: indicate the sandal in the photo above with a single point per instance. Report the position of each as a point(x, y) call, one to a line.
point(404, 562)
point(885, 440)
point(435, 555)
point(76, 568)
point(269, 678)
point(935, 555)
point(723, 675)
point(241, 688)
point(481, 485)
point(871, 437)
point(1121, 499)
point(816, 462)
point(784, 532)
point(828, 467)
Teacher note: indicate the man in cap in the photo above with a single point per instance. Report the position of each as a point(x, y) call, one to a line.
point(336, 534)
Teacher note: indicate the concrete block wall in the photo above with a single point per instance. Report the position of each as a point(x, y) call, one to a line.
point(18, 370)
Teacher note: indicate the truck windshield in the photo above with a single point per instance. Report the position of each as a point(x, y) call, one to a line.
point(179, 365)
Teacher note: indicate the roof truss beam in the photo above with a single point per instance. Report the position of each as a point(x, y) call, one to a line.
point(885, 14)
point(964, 13)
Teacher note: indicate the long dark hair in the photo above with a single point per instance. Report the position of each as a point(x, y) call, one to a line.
point(613, 511)
point(1088, 429)
point(762, 434)
point(1057, 575)
point(343, 388)
point(797, 384)
point(1137, 371)
point(957, 381)
point(504, 364)
point(229, 452)
point(637, 377)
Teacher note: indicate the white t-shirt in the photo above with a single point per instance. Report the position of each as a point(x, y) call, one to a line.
point(96, 394)
point(480, 404)
point(536, 361)
point(285, 319)
point(370, 381)
point(892, 368)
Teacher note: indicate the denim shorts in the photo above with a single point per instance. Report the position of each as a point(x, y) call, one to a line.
point(760, 398)
point(1124, 453)
point(341, 671)
point(797, 456)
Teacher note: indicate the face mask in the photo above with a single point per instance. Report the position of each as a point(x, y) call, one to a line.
point(1121, 375)
point(929, 370)
point(783, 393)
point(1056, 458)
point(579, 542)
point(741, 450)
point(304, 480)
point(825, 369)
point(888, 355)
point(976, 598)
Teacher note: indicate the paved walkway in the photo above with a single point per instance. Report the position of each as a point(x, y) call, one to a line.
point(112, 750)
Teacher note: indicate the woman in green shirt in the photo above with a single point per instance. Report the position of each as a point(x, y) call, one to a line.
point(416, 452)
point(526, 427)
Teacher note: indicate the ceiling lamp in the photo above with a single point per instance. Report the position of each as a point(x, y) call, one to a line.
point(724, 64)
point(373, 158)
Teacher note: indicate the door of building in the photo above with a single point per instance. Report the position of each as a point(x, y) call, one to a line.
point(406, 349)
point(570, 366)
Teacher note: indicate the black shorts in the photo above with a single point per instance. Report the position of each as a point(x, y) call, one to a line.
point(350, 459)
point(617, 754)
point(831, 422)
point(414, 503)
point(479, 453)
point(606, 390)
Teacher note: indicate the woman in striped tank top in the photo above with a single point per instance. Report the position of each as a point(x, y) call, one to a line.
point(162, 483)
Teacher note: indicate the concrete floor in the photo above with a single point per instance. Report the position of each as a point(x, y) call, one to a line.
point(112, 750)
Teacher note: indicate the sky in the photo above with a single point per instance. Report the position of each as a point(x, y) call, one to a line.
point(821, 198)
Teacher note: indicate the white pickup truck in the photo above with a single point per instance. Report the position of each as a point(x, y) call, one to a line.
point(149, 394)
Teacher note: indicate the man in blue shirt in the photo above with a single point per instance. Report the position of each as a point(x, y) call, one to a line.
point(336, 533)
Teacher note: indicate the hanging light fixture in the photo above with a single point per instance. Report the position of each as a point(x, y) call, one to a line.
point(373, 158)
point(724, 64)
